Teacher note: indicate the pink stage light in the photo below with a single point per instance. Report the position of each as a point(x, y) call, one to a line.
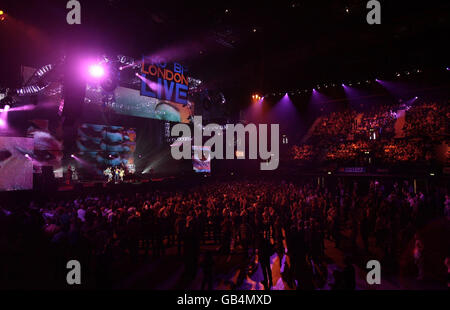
point(96, 71)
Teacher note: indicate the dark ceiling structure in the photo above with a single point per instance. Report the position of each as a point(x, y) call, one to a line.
point(238, 46)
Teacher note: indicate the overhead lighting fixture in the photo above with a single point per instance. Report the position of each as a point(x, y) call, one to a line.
point(96, 71)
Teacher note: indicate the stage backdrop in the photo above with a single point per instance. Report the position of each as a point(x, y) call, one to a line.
point(101, 146)
point(16, 169)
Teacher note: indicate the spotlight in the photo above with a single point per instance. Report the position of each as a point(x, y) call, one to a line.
point(416, 97)
point(96, 71)
point(6, 108)
point(73, 156)
point(256, 97)
point(27, 156)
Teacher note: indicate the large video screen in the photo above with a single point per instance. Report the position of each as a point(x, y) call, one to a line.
point(16, 165)
point(201, 161)
point(142, 91)
point(48, 145)
point(129, 101)
point(102, 146)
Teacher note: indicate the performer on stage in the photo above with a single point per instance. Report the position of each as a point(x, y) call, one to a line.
point(74, 174)
point(108, 172)
point(69, 175)
point(116, 174)
point(121, 174)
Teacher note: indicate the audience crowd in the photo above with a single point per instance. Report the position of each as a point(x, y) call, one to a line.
point(370, 137)
point(427, 120)
point(257, 219)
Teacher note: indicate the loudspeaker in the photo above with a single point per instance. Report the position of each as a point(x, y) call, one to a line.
point(74, 89)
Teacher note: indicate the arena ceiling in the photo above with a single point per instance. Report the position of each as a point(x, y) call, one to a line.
point(239, 45)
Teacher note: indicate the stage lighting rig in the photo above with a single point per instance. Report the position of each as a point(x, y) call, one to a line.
point(7, 102)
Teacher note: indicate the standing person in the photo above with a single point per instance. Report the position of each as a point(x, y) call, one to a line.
point(348, 275)
point(207, 267)
point(264, 253)
point(337, 230)
point(180, 224)
point(191, 248)
point(418, 257)
point(364, 229)
point(447, 265)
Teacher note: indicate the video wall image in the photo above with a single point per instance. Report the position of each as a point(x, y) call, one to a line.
point(102, 146)
point(201, 162)
point(128, 101)
point(48, 145)
point(16, 166)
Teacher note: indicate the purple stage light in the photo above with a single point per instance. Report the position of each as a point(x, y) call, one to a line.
point(2, 123)
point(6, 108)
point(73, 156)
point(96, 71)
point(27, 156)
